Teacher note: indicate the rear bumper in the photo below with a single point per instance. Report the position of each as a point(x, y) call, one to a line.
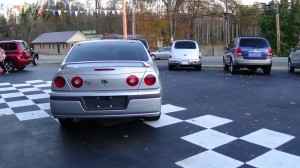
point(68, 105)
point(23, 62)
point(241, 62)
point(187, 62)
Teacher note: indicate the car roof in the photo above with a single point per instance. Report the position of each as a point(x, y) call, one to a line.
point(109, 40)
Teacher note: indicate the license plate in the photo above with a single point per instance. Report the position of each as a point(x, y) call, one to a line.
point(254, 54)
point(184, 62)
point(104, 102)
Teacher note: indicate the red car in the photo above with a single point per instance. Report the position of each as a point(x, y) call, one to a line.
point(18, 54)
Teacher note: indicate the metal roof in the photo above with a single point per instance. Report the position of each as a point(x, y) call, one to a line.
point(54, 37)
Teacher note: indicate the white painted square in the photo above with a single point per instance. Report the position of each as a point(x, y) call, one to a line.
point(34, 81)
point(11, 95)
point(7, 89)
point(6, 111)
point(42, 85)
point(29, 90)
point(267, 138)
point(209, 139)
point(32, 115)
point(209, 159)
point(44, 106)
point(163, 121)
point(276, 159)
point(4, 84)
point(37, 96)
point(47, 91)
point(209, 121)
point(20, 103)
point(49, 82)
point(168, 108)
point(21, 85)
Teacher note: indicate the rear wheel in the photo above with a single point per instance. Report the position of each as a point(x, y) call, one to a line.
point(21, 68)
point(35, 60)
point(171, 67)
point(290, 67)
point(153, 57)
point(267, 70)
point(198, 68)
point(233, 69)
point(225, 66)
point(66, 122)
point(152, 118)
point(10, 65)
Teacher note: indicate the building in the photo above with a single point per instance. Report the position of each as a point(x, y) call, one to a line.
point(57, 42)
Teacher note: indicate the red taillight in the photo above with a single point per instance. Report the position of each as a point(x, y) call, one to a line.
point(238, 52)
point(149, 51)
point(132, 80)
point(270, 53)
point(77, 82)
point(150, 80)
point(59, 82)
point(170, 55)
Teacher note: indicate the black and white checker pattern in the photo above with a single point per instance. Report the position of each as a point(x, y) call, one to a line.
point(30, 100)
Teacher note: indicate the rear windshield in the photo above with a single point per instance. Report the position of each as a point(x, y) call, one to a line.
point(254, 42)
point(109, 50)
point(185, 45)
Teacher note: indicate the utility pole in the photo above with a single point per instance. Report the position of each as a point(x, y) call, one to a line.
point(133, 18)
point(226, 23)
point(124, 19)
point(278, 28)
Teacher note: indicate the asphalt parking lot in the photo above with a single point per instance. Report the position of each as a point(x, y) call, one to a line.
point(210, 119)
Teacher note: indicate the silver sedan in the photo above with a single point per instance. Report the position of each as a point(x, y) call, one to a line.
point(106, 79)
point(162, 53)
point(294, 59)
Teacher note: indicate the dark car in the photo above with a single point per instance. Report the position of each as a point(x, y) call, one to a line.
point(35, 57)
point(248, 52)
point(144, 42)
point(18, 54)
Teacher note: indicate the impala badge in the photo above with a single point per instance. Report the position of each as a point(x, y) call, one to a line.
point(104, 82)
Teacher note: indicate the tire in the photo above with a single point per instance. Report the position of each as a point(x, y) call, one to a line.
point(171, 67)
point(10, 65)
point(199, 67)
point(152, 118)
point(153, 57)
point(233, 69)
point(35, 60)
point(66, 122)
point(290, 67)
point(267, 70)
point(225, 66)
point(21, 68)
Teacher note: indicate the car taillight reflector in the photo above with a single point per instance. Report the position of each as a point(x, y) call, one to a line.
point(170, 55)
point(270, 52)
point(59, 82)
point(77, 82)
point(132, 80)
point(150, 80)
point(238, 52)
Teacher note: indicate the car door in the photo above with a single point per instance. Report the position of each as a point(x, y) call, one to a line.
point(164, 53)
point(230, 51)
point(295, 59)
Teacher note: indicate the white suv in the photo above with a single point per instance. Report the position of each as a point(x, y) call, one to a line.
point(185, 53)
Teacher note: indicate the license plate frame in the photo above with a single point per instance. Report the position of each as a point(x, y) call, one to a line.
point(185, 62)
point(254, 54)
point(104, 102)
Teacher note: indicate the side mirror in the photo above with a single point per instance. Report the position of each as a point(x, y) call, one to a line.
point(293, 49)
point(225, 48)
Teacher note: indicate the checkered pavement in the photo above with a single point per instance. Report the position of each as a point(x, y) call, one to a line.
point(30, 100)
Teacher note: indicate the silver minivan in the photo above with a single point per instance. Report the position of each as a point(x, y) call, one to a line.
point(185, 53)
